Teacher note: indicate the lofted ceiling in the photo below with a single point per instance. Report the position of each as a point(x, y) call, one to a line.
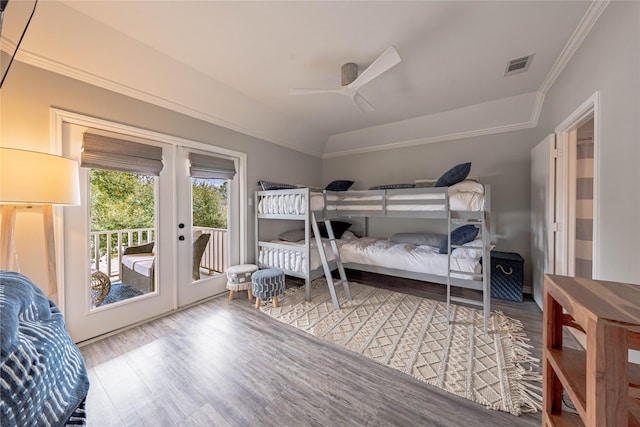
point(233, 62)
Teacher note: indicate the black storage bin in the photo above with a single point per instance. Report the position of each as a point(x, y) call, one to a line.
point(507, 273)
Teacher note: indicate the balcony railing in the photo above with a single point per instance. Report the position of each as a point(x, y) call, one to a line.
point(214, 258)
point(107, 248)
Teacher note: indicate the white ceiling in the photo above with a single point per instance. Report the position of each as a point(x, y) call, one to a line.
point(233, 62)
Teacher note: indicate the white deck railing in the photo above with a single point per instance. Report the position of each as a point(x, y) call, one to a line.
point(107, 257)
point(215, 254)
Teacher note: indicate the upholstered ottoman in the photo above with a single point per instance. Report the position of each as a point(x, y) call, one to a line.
point(268, 283)
point(239, 279)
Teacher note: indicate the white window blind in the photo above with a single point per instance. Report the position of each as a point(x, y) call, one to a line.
point(203, 166)
point(103, 152)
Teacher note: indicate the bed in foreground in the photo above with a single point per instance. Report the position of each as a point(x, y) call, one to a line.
point(43, 376)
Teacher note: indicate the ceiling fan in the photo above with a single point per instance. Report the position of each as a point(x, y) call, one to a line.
point(351, 81)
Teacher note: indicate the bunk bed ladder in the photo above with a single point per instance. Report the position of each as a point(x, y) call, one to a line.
point(325, 263)
point(482, 224)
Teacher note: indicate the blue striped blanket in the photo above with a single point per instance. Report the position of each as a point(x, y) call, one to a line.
point(43, 378)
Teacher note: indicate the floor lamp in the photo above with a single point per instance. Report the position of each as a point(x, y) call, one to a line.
point(29, 178)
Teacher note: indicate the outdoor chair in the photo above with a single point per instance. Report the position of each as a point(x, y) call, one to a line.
point(199, 246)
point(138, 263)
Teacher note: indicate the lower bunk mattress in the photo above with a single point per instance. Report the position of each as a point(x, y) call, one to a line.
point(290, 256)
point(407, 257)
point(375, 252)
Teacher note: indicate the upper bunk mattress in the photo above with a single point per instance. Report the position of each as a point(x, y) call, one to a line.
point(465, 196)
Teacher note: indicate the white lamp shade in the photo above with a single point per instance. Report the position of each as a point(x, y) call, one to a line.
point(33, 178)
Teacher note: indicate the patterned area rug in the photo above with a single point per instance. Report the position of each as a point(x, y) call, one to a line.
point(411, 334)
point(121, 292)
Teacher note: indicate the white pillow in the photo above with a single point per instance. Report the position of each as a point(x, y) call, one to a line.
point(292, 235)
point(467, 252)
point(468, 185)
point(418, 239)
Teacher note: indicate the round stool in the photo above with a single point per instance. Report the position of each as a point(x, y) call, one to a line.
point(268, 283)
point(239, 279)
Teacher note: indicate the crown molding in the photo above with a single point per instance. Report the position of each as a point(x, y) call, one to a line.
point(101, 82)
point(594, 11)
point(537, 108)
point(433, 139)
point(580, 33)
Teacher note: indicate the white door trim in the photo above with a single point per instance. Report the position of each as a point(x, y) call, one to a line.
point(238, 224)
point(587, 110)
point(59, 116)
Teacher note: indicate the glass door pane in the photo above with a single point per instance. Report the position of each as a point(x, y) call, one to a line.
point(120, 214)
point(122, 239)
point(202, 233)
point(209, 212)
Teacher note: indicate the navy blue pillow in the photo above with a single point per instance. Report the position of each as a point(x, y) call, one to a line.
point(268, 185)
point(454, 175)
point(339, 227)
point(460, 236)
point(339, 185)
point(391, 186)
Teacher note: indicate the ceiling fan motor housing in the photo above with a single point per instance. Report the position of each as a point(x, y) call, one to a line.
point(349, 73)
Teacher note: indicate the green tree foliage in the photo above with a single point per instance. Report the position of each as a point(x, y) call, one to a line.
point(209, 203)
point(125, 201)
point(121, 200)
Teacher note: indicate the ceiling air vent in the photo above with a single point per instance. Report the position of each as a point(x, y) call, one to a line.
point(519, 65)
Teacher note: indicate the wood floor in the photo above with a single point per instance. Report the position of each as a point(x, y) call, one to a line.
point(223, 363)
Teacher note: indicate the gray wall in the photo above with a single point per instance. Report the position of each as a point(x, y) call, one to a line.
point(608, 61)
point(29, 92)
point(501, 160)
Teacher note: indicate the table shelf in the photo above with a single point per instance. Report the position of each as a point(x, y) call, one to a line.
point(570, 366)
point(600, 381)
point(565, 419)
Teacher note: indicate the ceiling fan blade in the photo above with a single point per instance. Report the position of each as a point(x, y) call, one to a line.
point(313, 91)
point(362, 104)
point(388, 59)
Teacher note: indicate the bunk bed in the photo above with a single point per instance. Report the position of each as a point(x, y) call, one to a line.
point(300, 258)
point(466, 203)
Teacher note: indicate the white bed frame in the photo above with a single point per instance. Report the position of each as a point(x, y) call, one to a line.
point(304, 251)
point(427, 203)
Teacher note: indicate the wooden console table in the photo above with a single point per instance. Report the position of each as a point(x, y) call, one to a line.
point(602, 384)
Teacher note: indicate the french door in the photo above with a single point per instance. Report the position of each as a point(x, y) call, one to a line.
point(202, 232)
point(185, 267)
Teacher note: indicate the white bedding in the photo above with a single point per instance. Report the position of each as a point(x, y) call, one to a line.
point(467, 195)
point(381, 253)
point(408, 257)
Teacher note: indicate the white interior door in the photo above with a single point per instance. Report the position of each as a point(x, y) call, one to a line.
point(543, 183)
point(200, 271)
